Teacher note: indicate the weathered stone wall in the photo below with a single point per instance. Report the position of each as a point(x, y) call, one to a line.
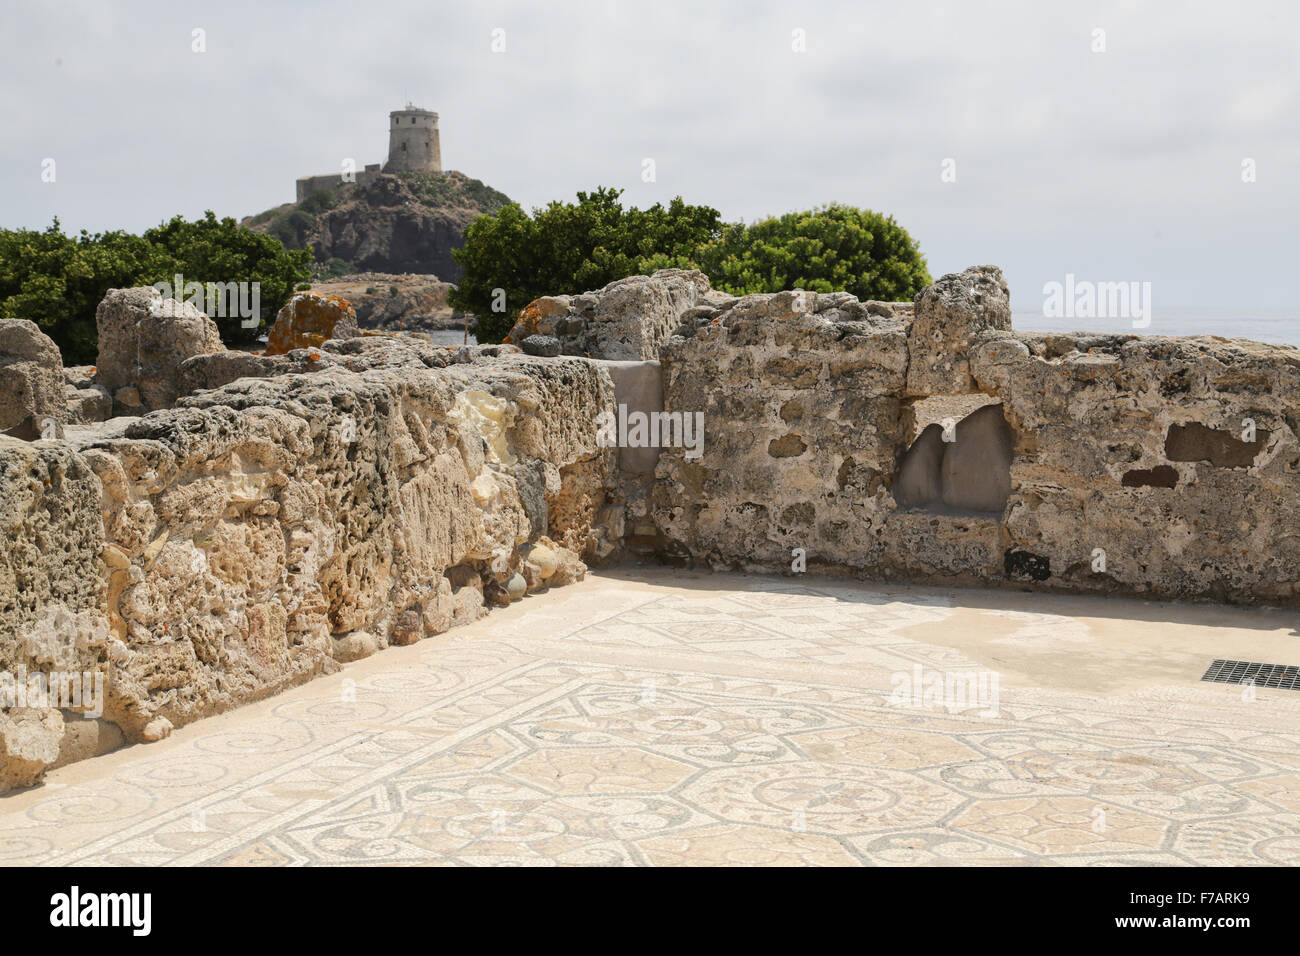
point(52, 598)
point(1088, 463)
point(291, 512)
point(1134, 445)
point(627, 320)
point(52, 534)
point(332, 182)
point(803, 419)
point(259, 533)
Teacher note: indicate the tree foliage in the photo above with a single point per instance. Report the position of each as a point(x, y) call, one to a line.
point(565, 248)
point(57, 281)
point(575, 247)
point(830, 249)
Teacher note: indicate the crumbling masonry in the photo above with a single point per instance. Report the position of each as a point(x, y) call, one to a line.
point(275, 516)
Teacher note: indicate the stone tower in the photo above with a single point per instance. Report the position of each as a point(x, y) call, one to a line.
point(413, 141)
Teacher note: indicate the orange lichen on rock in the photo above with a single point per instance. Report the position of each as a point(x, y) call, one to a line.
point(531, 314)
point(309, 320)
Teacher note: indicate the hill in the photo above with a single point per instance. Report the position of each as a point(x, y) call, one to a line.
point(397, 223)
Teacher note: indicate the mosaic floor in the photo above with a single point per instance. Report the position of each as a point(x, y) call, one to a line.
point(667, 718)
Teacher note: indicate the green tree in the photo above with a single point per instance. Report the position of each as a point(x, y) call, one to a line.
point(574, 247)
point(213, 250)
point(568, 248)
point(58, 281)
point(335, 268)
point(829, 249)
point(293, 227)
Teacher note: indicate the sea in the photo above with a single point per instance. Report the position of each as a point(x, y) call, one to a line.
point(451, 337)
point(1280, 326)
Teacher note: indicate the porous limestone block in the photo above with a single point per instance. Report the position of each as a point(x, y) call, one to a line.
point(143, 339)
point(29, 743)
point(950, 315)
point(33, 403)
point(308, 320)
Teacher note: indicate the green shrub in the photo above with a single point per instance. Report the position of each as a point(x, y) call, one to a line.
point(440, 189)
point(829, 249)
point(320, 201)
point(57, 281)
point(336, 268)
point(512, 257)
point(566, 248)
point(292, 228)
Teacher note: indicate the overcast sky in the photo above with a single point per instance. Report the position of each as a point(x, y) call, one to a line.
point(1116, 165)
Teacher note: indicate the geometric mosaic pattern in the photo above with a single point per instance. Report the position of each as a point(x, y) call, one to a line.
point(690, 719)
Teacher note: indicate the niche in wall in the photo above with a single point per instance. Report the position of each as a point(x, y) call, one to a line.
point(969, 474)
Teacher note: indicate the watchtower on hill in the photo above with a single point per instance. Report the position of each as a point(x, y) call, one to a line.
point(413, 147)
point(413, 144)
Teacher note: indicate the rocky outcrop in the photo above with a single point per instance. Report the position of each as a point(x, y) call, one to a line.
point(629, 319)
point(396, 303)
point(394, 223)
point(143, 339)
point(32, 403)
point(950, 315)
point(310, 319)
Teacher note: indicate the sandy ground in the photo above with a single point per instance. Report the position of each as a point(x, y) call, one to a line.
point(662, 717)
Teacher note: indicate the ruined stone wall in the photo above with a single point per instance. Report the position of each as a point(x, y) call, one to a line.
point(291, 512)
point(52, 539)
point(332, 182)
point(1135, 446)
point(260, 533)
point(1091, 463)
point(803, 421)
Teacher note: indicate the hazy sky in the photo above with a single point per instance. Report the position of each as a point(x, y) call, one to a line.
point(1119, 165)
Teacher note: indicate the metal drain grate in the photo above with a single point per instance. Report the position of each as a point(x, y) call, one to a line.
point(1261, 675)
